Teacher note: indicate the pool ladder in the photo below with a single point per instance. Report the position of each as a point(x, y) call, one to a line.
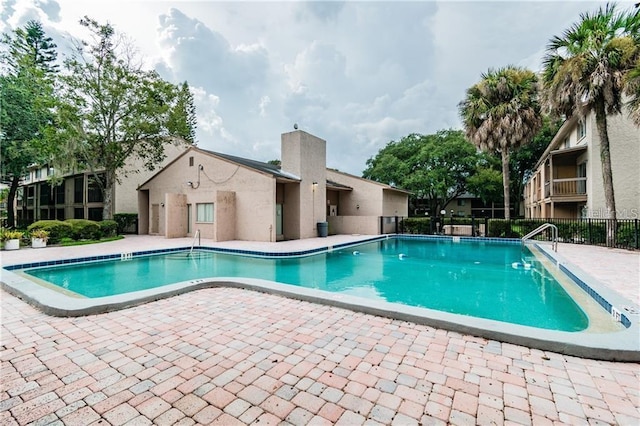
point(539, 229)
point(197, 235)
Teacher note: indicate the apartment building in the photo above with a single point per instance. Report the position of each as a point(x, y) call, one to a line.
point(78, 196)
point(567, 181)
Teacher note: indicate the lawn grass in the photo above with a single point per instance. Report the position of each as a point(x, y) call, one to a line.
point(66, 242)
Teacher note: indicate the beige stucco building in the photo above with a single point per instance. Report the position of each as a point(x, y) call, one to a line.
point(231, 198)
point(567, 182)
point(77, 195)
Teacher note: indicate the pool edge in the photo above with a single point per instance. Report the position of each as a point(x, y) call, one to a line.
point(617, 346)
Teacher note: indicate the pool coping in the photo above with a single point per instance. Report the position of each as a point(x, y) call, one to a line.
point(623, 345)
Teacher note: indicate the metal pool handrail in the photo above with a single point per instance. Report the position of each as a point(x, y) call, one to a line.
point(539, 229)
point(197, 235)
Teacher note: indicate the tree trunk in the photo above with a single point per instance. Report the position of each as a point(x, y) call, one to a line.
point(107, 195)
point(11, 197)
point(505, 183)
point(607, 176)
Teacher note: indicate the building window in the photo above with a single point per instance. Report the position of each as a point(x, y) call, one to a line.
point(45, 194)
point(566, 143)
point(95, 213)
point(78, 191)
point(582, 129)
point(30, 198)
point(94, 194)
point(190, 161)
point(78, 213)
point(60, 194)
point(204, 212)
point(461, 202)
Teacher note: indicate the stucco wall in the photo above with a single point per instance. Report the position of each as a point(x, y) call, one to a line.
point(291, 212)
point(225, 212)
point(305, 156)
point(174, 210)
point(365, 225)
point(395, 203)
point(624, 140)
point(126, 197)
point(366, 198)
point(254, 194)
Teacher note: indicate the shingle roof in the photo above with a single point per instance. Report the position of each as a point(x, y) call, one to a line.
point(271, 169)
point(335, 185)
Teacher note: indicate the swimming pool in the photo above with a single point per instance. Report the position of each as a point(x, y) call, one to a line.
point(501, 282)
point(603, 339)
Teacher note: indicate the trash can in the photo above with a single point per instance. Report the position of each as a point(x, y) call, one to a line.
point(323, 229)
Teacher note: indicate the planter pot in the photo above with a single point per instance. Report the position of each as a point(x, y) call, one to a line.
point(38, 243)
point(12, 244)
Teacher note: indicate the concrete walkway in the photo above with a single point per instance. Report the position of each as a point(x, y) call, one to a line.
point(229, 356)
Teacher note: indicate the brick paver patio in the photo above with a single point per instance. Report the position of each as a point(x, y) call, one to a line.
point(229, 356)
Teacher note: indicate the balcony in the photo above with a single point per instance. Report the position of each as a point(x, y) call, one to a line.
point(571, 189)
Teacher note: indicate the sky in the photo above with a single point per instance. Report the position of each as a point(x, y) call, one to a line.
point(357, 74)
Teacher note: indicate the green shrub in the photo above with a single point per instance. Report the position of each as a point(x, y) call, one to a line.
point(596, 234)
point(125, 221)
point(501, 228)
point(57, 229)
point(416, 225)
point(567, 231)
point(460, 220)
point(627, 236)
point(109, 228)
point(84, 229)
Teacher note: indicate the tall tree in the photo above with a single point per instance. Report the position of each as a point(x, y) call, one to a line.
point(501, 113)
point(26, 101)
point(584, 70)
point(114, 111)
point(434, 167)
point(486, 182)
point(632, 89)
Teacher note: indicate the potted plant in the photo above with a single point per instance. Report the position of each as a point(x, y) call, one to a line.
point(11, 239)
point(39, 238)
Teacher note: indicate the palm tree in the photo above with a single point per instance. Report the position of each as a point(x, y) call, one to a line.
point(632, 89)
point(584, 70)
point(501, 113)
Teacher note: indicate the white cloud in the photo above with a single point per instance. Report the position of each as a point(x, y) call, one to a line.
point(357, 74)
point(14, 13)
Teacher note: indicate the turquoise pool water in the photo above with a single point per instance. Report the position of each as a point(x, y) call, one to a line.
point(484, 280)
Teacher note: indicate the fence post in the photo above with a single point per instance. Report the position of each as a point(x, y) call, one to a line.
point(635, 223)
point(486, 226)
point(396, 224)
point(381, 225)
point(590, 232)
point(473, 226)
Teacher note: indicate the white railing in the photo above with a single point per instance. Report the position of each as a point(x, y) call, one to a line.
point(539, 229)
point(565, 187)
point(197, 235)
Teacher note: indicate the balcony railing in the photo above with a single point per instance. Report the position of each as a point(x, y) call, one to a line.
point(566, 187)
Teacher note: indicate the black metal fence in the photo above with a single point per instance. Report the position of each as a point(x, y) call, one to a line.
point(622, 233)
